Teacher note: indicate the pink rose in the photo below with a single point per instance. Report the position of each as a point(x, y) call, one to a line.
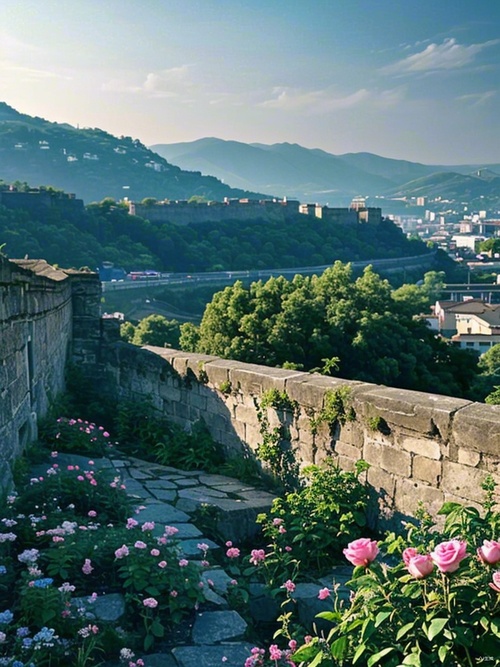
point(324, 594)
point(420, 566)
point(448, 555)
point(496, 581)
point(408, 554)
point(362, 551)
point(490, 552)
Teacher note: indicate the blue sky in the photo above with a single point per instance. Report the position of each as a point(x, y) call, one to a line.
point(410, 79)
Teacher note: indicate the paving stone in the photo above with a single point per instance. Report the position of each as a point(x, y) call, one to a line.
point(261, 605)
point(217, 626)
point(309, 605)
point(217, 480)
point(160, 484)
point(110, 607)
point(139, 474)
point(232, 655)
point(136, 489)
point(339, 577)
point(190, 549)
point(203, 493)
point(166, 495)
point(163, 514)
point(186, 482)
point(187, 530)
point(188, 505)
point(220, 579)
point(214, 598)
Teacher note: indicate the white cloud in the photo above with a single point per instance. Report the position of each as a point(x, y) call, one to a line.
point(477, 99)
point(173, 82)
point(314, 101)
point(446, 56)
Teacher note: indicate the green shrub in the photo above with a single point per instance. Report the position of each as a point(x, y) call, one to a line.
point(318, 520)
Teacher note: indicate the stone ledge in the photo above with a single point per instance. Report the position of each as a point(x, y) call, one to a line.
point(477, 427)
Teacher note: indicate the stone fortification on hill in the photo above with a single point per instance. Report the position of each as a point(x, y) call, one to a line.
point(420, 447)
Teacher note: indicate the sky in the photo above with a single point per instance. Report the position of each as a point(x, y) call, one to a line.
point(411, 79)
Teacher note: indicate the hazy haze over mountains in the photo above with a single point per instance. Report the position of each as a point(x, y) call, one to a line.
point(315, 175)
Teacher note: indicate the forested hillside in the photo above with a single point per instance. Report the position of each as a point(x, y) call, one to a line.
point(106, 232)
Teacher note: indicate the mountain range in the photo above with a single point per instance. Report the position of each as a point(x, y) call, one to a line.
point(94, 164)
point(313, 175)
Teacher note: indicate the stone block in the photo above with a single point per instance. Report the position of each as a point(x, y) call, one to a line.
point(254, 380)
point(464, 481)
point(412, 410)
point(309, 389)
point(427, 470)
point(468, 458)
point(390, 459)
point(423, 446)
point(477, 427)
point(215, 626)
point(409, 493)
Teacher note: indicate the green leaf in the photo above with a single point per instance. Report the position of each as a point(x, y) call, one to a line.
point(306, 652)
point(449, 507)
point(317, 660)
point(358, 653)
point(338, 648)
point(495, 626)
point(376, 657)
point(404, 630)
point(443, 652)
point(367, 630)
point(435, 627)
point(381, 616)
point(157, 628)
point(412, 659)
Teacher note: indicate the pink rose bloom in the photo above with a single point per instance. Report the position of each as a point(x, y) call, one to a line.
point(140, 545)
point(122, 552)
point(362, 551)
point(289, 586)
point(131, 523)
point(155, 552)
point(233, 552)
point(92, 514)
point(87, 566)
point(408, 554)
point(420, 566)
point(162, 564)
point(183, 562)
point(257, 556)
point(150, 602)
point(148, 525)
point(490, 552)
point(495, 585)
point(274, 652)
point(448, 555)
point(324, 594)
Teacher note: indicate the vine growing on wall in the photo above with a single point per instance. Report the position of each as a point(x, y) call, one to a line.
point(337, 409)
point(275, 448)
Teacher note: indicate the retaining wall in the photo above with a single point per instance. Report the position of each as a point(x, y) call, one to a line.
point(420, 447)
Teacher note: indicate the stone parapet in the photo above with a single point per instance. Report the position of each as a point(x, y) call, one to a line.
point(420, 446)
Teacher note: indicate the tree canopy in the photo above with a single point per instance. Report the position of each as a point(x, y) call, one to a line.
point(312, 319)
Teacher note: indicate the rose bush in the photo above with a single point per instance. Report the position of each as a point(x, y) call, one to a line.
point(438, 604)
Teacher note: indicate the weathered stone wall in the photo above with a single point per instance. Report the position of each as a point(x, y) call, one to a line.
point(420, 447)
point(43, 311)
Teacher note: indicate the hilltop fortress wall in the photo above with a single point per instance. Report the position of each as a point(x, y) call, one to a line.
point(47, 316)
point(420, 447)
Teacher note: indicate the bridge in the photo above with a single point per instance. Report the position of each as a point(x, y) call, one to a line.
point(229, 277)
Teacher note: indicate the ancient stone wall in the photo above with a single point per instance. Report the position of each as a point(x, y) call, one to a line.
point(43, 312)
point(420, 447)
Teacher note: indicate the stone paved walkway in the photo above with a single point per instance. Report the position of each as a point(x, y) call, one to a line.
point(170, 496)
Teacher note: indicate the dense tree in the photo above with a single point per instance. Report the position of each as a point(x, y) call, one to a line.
point(157, 330)
point(310, 320)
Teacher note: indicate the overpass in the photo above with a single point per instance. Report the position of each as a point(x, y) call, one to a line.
point(229, 277)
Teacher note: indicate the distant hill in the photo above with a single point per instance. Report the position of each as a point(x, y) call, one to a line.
point(94, 164)
point(315, 175)
point(453, 186)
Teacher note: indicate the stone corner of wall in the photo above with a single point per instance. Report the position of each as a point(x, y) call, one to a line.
point(477, 427)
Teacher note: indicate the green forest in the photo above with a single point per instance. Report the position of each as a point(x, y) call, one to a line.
point(105, 231)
